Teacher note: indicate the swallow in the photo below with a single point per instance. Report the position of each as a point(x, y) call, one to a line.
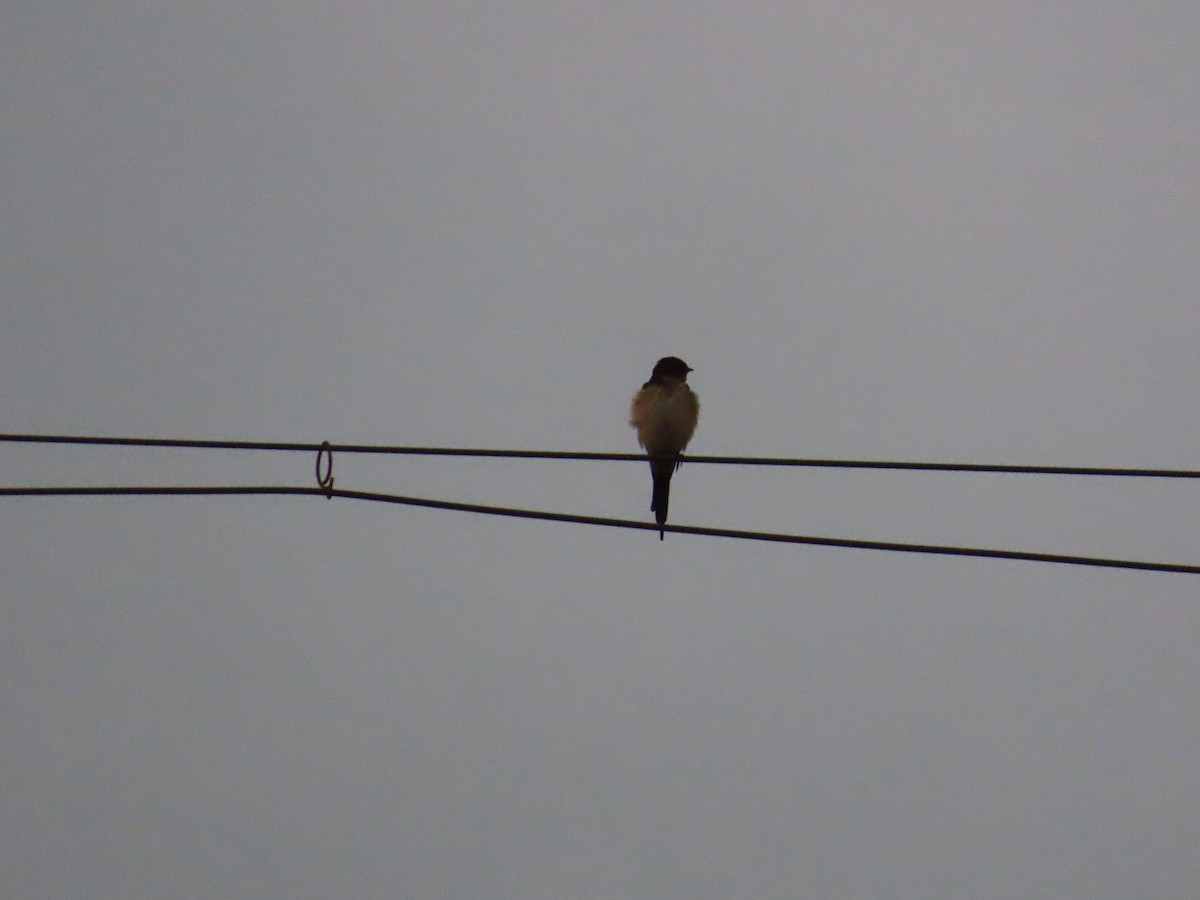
point(665, 412)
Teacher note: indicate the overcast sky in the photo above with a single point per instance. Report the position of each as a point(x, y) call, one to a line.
point(938, 231)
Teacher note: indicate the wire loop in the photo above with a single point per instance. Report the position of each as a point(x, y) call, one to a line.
point(325, 482)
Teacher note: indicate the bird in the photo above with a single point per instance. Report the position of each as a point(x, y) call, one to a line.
point(665, 412)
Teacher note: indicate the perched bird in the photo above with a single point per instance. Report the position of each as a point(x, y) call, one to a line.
point(664, 413)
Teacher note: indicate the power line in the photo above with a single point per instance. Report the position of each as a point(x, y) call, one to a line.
point(1120, 472)
point(1026, 556)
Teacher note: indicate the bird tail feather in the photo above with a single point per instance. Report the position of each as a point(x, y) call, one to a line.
point(661, 471)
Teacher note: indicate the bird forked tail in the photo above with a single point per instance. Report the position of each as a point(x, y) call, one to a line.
point(661, 471)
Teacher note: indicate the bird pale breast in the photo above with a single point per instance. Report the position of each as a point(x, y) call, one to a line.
point(665, 417)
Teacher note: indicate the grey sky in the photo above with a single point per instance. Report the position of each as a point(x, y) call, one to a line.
point(916, 231)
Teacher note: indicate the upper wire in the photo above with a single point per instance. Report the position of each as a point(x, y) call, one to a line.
point(308, 447)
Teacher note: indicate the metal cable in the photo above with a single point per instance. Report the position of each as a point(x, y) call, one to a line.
point(895, 547)
point(1123, 472)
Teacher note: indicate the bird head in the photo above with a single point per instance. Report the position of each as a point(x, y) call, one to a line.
point(670, 368)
